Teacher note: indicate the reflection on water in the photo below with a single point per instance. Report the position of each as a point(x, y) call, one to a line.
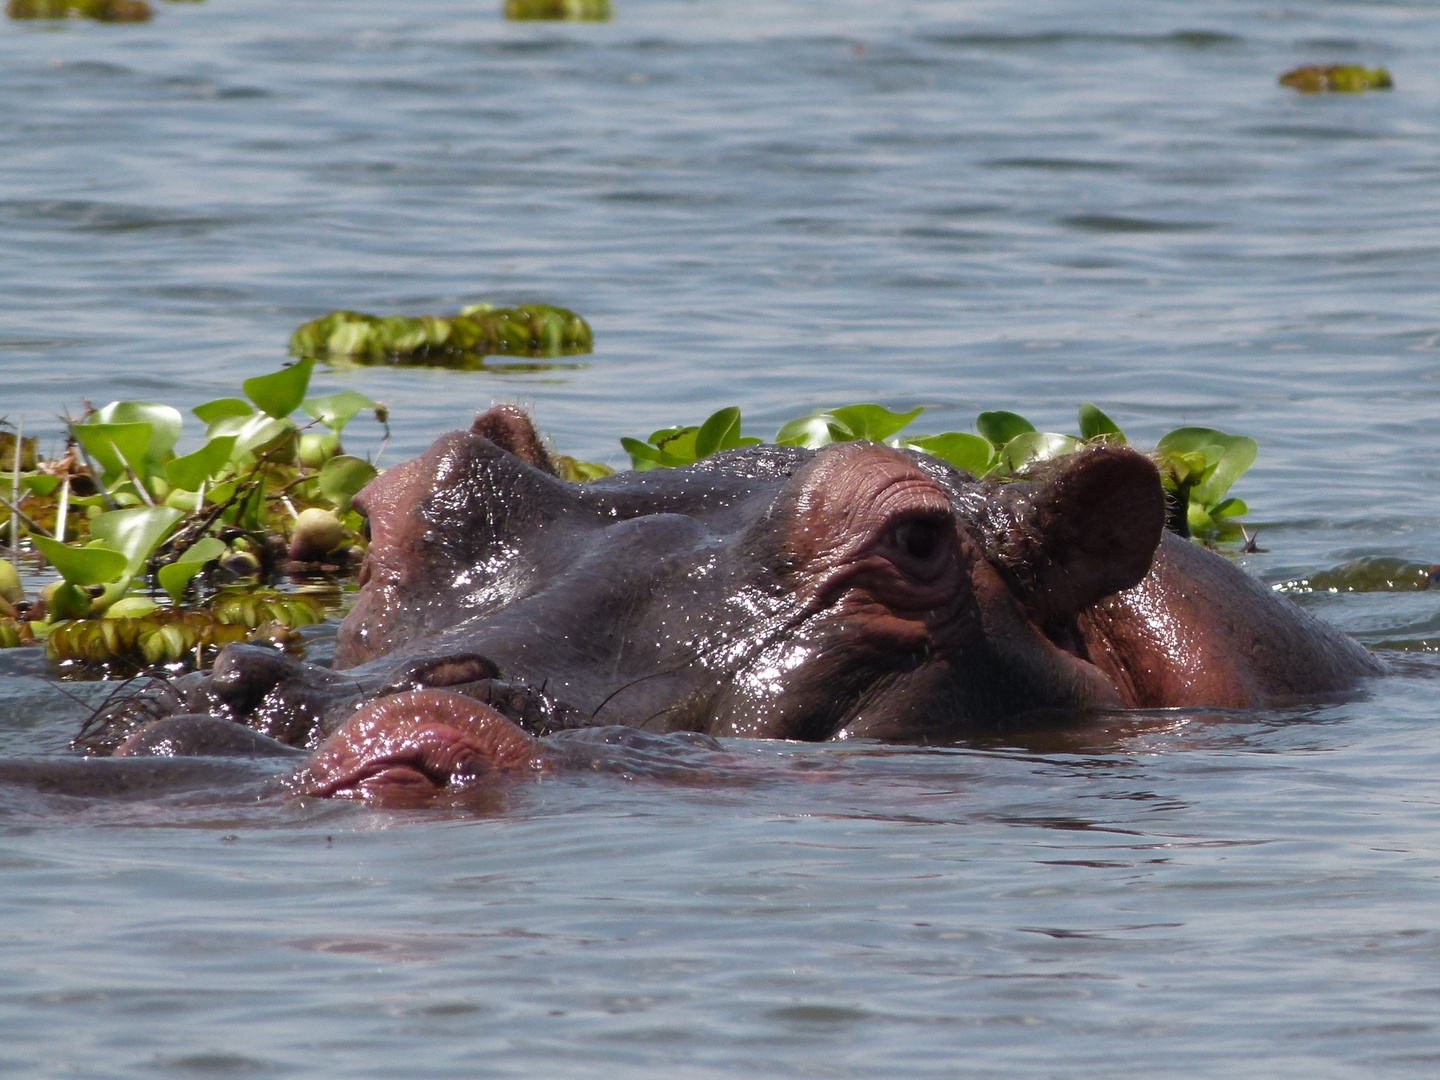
point(780, 206)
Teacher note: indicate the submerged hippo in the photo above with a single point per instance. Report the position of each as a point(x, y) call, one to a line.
point(772, 592)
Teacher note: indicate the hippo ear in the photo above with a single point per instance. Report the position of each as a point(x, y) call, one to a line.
point(510, 429)
point(1091, 530)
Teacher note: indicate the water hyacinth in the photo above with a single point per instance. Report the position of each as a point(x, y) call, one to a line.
point(1197, 465)
point(99, 10)
point(1336, 79)
point(558, 10)
point(481, 330)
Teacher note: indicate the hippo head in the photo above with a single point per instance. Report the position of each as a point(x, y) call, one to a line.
point(771, 591)
point(856, 590)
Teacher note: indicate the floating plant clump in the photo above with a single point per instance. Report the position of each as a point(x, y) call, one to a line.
point(558, 10)
point(534, 330)
point(126, 521)
point(100, 10)
point(1197, 465)
point(1336, 79)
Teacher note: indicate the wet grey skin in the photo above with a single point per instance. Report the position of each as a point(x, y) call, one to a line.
point(770, 592)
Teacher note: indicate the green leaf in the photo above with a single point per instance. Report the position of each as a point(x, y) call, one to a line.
point(1094, 424)
point(342, 478)
point(135, 533)
point(961, 449)
point(82, 566)
point(164, 421)
point(721, 431)
point(192, 470)
point(873, 422)
point(1229, 508)
point(811, 431)
point(281, 392)
point(337, 410)
point(644, 457)
point(1001, 427)
point(253, 434)
point(175, 576)
point(677, 444)
point(112, 446)
point(1030, 447)
point(40, 484)
point(221, 407)
point(1227, 458)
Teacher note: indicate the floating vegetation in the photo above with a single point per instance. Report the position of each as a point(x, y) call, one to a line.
point(121, 514)
point(1381, 573)
point(1197, 465)
point(460, 341)
point(1336, 79)
point(553, 10)
point(100, 10)
point(167, 636)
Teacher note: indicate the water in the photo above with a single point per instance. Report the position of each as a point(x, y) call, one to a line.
point(778, 205)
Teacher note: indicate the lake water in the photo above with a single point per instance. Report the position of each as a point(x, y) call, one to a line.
point(780, 205)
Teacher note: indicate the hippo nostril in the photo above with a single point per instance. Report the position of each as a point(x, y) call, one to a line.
point(443, 671)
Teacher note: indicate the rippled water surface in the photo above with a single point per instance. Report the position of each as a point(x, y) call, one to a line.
point(779, 205)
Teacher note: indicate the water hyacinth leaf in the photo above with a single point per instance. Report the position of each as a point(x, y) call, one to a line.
point(644, 457)
point(721, 431)
point(1229, 508)
point(1000, 426)
point(211, 411)
point(873, 422)
point(164, 421)
point(175, 576)
point(965, 451)
point(342, 478)
point(280, 393)
point(135, 533)
point(811, 432)
point(580, 472)
point(114, 446)
point(1030, 447)
point(1094, 424)
point(192, 470)
point(253, 434)
point(337, 410)
point(40, 484)
point(1227, 458)
point(677, 444)
point(131, 607)
point(82, 565)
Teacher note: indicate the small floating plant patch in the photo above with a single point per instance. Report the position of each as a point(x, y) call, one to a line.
point(558, 10)
point(99, 10)
point(1336, 79)
point(461, 341)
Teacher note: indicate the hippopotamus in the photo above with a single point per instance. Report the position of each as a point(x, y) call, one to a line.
point(856, 591)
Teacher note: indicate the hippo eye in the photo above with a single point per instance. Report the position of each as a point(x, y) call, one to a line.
point(919, 538)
